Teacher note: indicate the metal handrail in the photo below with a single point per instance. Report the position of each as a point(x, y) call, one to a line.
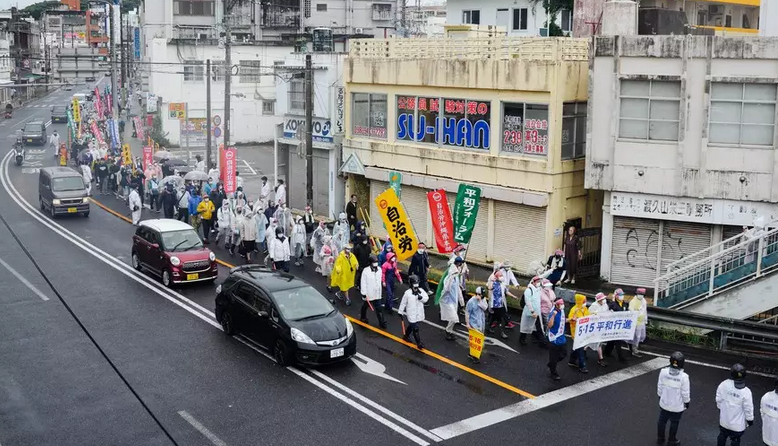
point(670, 267)
point(715, 323)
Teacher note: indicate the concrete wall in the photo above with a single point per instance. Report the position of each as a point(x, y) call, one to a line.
point(691, 166)
point(740, 302)
point(768, 19)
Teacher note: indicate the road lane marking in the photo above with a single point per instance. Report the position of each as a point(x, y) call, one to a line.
point(23, 280)
point(427, 352)
point(253, 172)
point(373, 367)
point(202, 429)
point(547, 399)
point(179, 299)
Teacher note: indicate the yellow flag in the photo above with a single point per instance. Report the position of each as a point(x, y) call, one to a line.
point(476, 339)
point(76, 111)
point(126, 155)
point(398, 223)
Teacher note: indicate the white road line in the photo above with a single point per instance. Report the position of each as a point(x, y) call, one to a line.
point(176, 298)
point(22, 122)
point(706, 364)
point(253, 172)
point(203, 430)
point(23, 280)
point(547, 399)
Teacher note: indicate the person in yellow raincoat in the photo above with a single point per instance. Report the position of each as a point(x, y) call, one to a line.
point(579, 310)
point(344, 273)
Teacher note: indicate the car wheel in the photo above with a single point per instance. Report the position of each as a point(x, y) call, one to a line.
point(136, 261)
point(166, 279)
point(43, 206)
point(86, 214)
point(281, 353)
point(227, 323)
point(51, 211)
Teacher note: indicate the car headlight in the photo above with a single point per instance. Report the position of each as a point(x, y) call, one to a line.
point(219, 289)
point(212, 256)
point(56, 202)
point(175, 261)
point(349, 328)
point(85, 200)
point(299, 336)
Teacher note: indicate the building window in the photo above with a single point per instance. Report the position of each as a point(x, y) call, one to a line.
point(742, 114)
point(307, 8)
point(321, 7)
point(566, 20)
point(471, 17)
point(524, 129)
point(649, 110)
point(193, 7)
point(249, 71)
point(297, 94)
point(194, 71)
point(451, 122)
point(520, 19)
point(217, 70)
point(368, 115)
point(268, 108)
point(573, 130)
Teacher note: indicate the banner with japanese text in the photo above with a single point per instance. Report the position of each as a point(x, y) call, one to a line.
point(71, 124)
point(465, 212)
point(442, 225)
point(98, 104)
point(618, 326)
point(97, 134)
point(148, 156)
point(476, 341)
point(138, 127)
point(76, 111)
point(398, 223)
point(113, 130)
point(126, 156)
point(229, 165)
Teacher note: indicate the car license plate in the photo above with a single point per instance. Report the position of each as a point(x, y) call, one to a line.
point(29, 140)
point(337, 353)
point(72, 210)
point(194, 276)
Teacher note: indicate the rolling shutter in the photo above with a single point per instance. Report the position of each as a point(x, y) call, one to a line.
point(519, 234)
point(681, 239)
point(634, 251)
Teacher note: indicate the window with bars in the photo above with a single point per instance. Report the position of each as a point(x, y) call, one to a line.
point(471, 17)
point(742, 114)
point(573, 130)
point(217, 71)
point(297, 94)
point(249, 71)
point(650, 110)
point(194, 71)
point(307, 8)
point(194, 7)
point(268, 108)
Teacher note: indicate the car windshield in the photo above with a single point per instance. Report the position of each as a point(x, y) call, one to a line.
point(33, 128)
point(302, 303)
point(59, 109)
point(184, 240)
point(67, 184)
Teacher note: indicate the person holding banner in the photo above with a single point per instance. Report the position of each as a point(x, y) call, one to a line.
point(390, 277)
point(412, 307)
point(617, 304)
point(556, 338)
point(475, 316)
point(599, 306)
point(498, 304)
point(579, 310)
point(370, 287)
point(638, 304)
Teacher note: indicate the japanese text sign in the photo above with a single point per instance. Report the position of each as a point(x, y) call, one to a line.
point(442, 225)
point(138, 127)
point(126, 155)
point(71, 124)
point(76, 111)
point(229, 165)
point(148, 157)
point(399, 225)
point(113, 130)
point(98, 104)
point(476, 343)
point(177, 110)
point(466, 212)
point(97, 133)
point(618, 326)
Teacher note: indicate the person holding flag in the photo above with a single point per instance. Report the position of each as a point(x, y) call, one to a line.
point(475, 315)
point(370, 287)
point(556, 338)
point(412, 307)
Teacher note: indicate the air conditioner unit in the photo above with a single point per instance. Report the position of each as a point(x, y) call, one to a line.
point(359, 30)
point(715, 10)
point(543, 32)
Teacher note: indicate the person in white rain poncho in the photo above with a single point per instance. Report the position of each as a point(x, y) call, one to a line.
point(264, 194)
point(261, 220)
point(475, 315)
point(530, 316)
point(283, 218)
point(317, 242)
point(599, 306)
point(340, 232)
point(86, 172)
point(327, 257)
point(639, 305)
point(224, 219)
point(135, 205)
point(451, 298)
point(768, 407)
point(298, 241)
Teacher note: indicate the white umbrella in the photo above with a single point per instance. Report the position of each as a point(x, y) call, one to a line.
point(162, 155)
point(175, 179)
point(196, 175)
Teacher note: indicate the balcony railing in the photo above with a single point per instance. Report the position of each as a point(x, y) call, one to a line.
point(523, 48)
point(280, 16)
point(187, 33)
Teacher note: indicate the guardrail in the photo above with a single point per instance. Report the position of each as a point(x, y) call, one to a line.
point(704, 253)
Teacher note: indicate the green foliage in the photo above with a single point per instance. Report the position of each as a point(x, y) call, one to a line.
point(157, 134)
point(552, 8)
point(693, 337)
point(36, 9)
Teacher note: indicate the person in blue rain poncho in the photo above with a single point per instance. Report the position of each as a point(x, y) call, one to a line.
point(475, 315)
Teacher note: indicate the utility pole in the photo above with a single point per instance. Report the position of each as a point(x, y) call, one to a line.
point(208, 113)
point(122, 38)
point(46, 50)
point(309, 129)
point(227, 70)
point(114, 98)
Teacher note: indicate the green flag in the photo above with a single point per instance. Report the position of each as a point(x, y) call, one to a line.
point(439, 288)
point(465, 212)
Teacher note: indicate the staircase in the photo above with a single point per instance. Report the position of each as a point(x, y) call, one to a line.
point(734, 278)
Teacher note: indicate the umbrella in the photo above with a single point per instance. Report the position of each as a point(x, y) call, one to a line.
point(196, 175)
point(175, 179)
point(162, 155)
point(174, 162)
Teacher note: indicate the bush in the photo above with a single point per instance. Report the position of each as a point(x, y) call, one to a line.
point(156, 132)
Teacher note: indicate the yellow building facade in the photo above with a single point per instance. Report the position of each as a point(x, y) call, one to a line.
point(505, 114)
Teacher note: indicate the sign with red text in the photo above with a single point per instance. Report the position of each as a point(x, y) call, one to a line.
point(229, 166)
point(97, 134)
point(442, 225)
point(148, 156)
point(525, 129)
point(138, 127)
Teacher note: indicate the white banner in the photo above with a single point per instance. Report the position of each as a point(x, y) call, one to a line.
point(619, 326)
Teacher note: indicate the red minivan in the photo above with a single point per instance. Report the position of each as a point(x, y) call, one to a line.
point(172, 250)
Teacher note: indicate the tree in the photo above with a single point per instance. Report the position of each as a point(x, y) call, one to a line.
point(552, 8)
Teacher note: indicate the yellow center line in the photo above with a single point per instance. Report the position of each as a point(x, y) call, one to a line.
point(383, 333)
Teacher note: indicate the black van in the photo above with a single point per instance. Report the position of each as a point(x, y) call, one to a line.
point(61, 190)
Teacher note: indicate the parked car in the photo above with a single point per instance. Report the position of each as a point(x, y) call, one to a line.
point(34, 133)
point(172, 250)
point(90, 79)
point(59, 113)
point(285, 314)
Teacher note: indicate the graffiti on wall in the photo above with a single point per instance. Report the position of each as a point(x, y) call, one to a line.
point(643, 246)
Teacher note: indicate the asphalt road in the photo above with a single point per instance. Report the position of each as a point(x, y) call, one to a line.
point(206, 388)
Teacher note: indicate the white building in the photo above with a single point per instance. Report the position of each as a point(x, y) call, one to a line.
point(328, 128)
point(681, 137)
point(517, 17)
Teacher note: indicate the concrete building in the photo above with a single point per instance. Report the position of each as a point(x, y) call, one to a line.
point(328, 129)
point(524, 103)
point(427, 21)
point(76, 64)
point(682, 140)
point(517, 17)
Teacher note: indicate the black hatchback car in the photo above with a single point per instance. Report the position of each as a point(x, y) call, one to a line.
point(59, 113)
point(286, 315)
point(34, 132)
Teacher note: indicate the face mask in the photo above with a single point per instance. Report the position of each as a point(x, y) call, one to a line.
point(364, 242)
point(374, 265)
point(388, 249)
point(562, 308)
point(639, 296)
point(620, 298)
point(415, 286)
point(420, 251)
point(280, 236)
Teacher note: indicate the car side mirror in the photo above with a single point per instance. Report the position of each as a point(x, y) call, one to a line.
point(155, 245)
point(262, 313)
